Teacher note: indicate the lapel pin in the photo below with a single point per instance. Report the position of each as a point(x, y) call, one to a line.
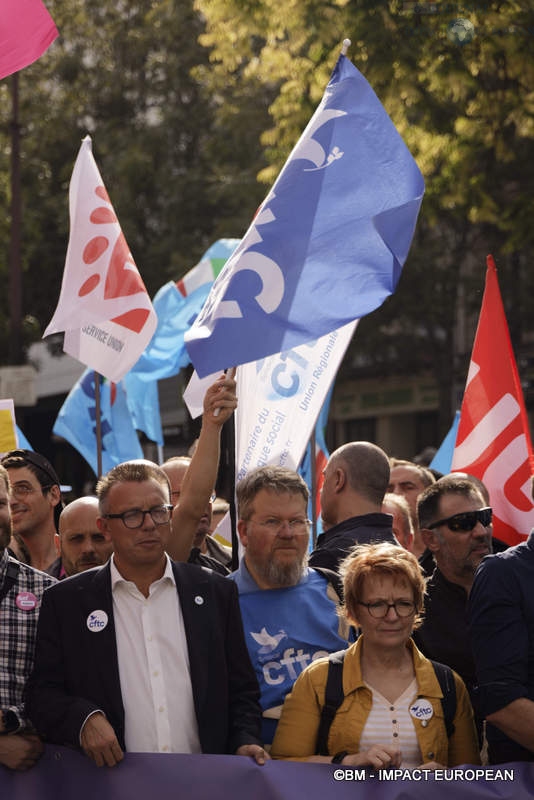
point(199, 600)
point(97, 621)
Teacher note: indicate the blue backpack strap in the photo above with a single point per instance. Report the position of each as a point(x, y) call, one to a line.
point(447, 684)
point(333, 698)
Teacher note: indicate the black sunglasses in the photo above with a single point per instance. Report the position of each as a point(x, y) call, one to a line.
point(465, 521)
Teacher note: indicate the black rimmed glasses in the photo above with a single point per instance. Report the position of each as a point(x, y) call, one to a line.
point(465, 521)
point(380, 609)
point(135, 517)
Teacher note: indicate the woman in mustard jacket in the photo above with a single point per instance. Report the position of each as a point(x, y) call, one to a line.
point(391, 714)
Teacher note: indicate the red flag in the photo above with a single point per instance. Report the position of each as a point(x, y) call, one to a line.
point(493, 441)
point(26, 30)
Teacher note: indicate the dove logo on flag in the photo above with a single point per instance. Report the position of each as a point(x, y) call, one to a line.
point(103, 307)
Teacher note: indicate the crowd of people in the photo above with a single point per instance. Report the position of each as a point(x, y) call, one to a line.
point(400, 641)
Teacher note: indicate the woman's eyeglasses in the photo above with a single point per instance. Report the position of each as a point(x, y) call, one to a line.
point(380, 609)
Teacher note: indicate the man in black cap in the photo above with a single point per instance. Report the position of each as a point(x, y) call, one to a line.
point(35, 507)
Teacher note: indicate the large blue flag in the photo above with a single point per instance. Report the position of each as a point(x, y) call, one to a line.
point(329, 241)
point(76, 422)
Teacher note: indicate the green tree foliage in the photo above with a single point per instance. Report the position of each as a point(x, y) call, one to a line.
point(462, 97)
point(189, 102)
point(177, 177)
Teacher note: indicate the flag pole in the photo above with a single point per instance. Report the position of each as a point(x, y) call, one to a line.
point(345, 46)
point(98, 427)
point(313, 481)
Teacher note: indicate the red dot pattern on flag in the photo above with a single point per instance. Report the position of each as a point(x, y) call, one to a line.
point(102, 215)
point(94, 249)
point(89, 285)
point(122, 278)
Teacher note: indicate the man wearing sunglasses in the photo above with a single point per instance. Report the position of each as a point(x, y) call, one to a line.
point(144, 654)
point(455, 525)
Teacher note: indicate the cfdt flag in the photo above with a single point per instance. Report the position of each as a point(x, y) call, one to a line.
point(329, 241)
point(26, 31)
point(493, 440)
point(76, 422)
point(103, 307)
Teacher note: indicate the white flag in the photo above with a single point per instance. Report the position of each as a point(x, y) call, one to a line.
point(103, 307)
point(280, 398)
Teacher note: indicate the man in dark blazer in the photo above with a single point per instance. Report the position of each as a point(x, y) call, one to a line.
point(131, 654)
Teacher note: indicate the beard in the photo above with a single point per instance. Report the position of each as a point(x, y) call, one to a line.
point(281, 575)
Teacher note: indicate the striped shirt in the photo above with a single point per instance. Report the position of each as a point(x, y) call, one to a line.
point(390, 724)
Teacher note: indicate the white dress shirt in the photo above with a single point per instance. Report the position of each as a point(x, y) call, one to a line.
point(159, 713)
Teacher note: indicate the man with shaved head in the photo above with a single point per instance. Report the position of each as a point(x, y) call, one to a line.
point(355, 481)
point(80, 544)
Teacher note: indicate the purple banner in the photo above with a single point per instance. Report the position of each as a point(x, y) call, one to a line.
point(62, 774)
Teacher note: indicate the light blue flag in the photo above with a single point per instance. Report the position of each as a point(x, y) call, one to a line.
point(143, 403)
point(177, 306)
point(329, 241)
point(76, 423)
point(166, 354)
point(22, 442)
point(442, 461)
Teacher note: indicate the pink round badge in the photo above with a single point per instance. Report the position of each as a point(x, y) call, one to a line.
point(26, 601)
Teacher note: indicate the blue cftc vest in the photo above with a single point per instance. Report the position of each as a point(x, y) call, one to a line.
point(285, 630)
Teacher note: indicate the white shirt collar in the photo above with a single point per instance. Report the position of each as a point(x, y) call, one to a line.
point(117, 578)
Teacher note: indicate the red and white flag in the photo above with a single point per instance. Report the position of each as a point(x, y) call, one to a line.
point(26, 30)
point(493, 441)
point(103, 307)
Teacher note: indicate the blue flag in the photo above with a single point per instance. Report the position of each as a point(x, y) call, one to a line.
point(76, 422)
point(166, 353)
point(22, 441)
point(442, 461)
point(329, 241)
point(142, 399)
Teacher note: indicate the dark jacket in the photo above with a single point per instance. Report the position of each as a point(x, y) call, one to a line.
point(337, 542)
point(76, 670)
